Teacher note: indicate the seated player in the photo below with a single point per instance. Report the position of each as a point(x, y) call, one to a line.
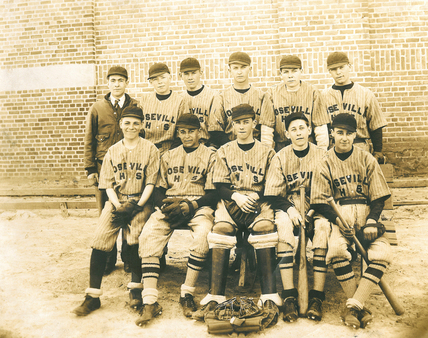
point(185, 180)
point(292, 167)
point(129, 172)
point(239, 175)
point(354, 179)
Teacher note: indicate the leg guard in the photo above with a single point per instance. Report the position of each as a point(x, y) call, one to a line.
point(263, 241)
point(219, 268)
point(266, 263)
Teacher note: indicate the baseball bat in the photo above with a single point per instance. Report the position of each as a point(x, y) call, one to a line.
point(302, 287)
point(386, 289)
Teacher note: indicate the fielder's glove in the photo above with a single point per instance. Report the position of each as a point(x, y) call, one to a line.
point(380, 230)
point(240, 217)
point(173, 211)
point(123, 215)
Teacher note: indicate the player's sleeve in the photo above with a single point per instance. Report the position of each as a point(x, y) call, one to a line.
point(321, 185)
point(217, 120)
point(267, 115)
point(319, 115)
point(152, 169)
point(209, 185)
point(374, 116)
point(183, 107)
point(107, 180)
point(162, 180)
point(378, 187)
point(275, 180)
point(221, 173)
point(90, 144)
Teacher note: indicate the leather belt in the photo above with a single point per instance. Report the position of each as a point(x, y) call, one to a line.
point(347, 201)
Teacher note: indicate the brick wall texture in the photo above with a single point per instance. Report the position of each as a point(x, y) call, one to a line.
point(42, 130)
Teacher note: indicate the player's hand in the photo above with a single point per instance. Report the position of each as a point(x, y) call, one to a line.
point(380, 158)
point(294, 216)
point(370, 232)
point(246, 203)
point(93, 178)
point(184, 208)
point(346, 232)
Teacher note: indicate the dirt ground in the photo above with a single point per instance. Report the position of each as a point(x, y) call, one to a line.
point(44, 268)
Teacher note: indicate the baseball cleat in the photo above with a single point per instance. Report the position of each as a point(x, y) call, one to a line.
point(350, 317)
point(365, 317)
point(188, 304)
point(200, 314)
point(89, 304)
point(148, 312)
point(315, 309)
point(290, 313)
point(135, 300)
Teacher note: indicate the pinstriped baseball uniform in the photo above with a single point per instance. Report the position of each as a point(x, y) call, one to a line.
point(306, 100)
point(127, 171)
point(201, 105)
point(187, 175)
point(246, 172)
point(359, 102)
point(160, 117)
point(221, 116)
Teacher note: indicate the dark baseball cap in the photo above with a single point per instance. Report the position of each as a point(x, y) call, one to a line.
point(158, 69)
point(117, 70)
point(132, 111)
point(189, 64)
point(290, 62)
point(240, 58)
point(243, 111)
point(337, 59)
point(189, 121)
point(295, 116)
point(345, 121)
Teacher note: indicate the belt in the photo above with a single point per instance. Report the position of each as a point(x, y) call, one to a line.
point(360, 140)
point(131, 195)
point(347, 201)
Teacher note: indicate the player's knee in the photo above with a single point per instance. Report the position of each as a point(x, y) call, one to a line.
point(335, 252)
point(380, 251)
point(322, 233)
point(223, 228)
point(263, 227)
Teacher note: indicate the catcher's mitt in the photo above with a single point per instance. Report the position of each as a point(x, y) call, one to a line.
point(123, 215)
point(240, 217)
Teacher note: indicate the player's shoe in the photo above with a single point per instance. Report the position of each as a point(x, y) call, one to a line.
point(365, 317)
point(200, 314)
point(135, 299)
point(315, 305)
point(272, 311)
point(188, 304)
point(89, 304)
point(290, 313)
point(148, 312)
point(350, 317)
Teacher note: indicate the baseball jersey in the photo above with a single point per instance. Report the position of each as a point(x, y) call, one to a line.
point(201, 105)
point(306, 100)
point(288, 172)
point(358, 176)
point(358, 101)
point(221, 116)
point(128, 171)
point(160, 116)
point(186, 174)
point(245, 171)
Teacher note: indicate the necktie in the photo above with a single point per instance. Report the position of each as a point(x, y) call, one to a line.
point(116, 105)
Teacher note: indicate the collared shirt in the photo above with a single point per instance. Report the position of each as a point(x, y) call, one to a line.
point(121, 100)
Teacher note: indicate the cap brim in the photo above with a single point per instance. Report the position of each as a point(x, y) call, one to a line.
point(117, 74)
point(187, 126)
point(245, 116)
point(290, 67)
point(239, 63)
point(189, 69)
point(157, 74)
point(338, 64)
point(344, 126)
point(134, 116)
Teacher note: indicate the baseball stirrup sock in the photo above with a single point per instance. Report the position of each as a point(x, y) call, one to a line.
point(286, 265)
point(345, 276)
point(96, 268)
point(320, 269)
point(194, 265)
point(369, 279)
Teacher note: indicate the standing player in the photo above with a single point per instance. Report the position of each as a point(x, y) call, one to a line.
point(220, 121)
point(293, 96)
point(101, 132)
point(346, 96)
point(354, 179)
point(292, 167)
point(239, 175)
point(186, 180)
point(129, 172)
point(161, 109)
point(198, 97)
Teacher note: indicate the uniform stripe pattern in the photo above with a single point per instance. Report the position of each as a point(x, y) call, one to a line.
point(196, 262)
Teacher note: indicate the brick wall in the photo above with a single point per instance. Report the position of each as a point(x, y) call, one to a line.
point(386, 41)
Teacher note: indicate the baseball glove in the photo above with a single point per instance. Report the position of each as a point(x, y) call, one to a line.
point(380, 228)
point(123, 215)
point(240, 217)
point(173, 211)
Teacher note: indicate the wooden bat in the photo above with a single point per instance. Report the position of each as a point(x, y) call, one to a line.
point(302, 287)
point(386, 289)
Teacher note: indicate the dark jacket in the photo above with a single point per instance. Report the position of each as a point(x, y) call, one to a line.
point(102, 130)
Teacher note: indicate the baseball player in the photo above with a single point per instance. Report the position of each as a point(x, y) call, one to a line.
point(129, 172)
point(354, 179)
point(346, 96)
point(197, 96)
point(185, 195)
point(161, 108)
point(292, 167)
point(220, 121)
point(239, 175)
point(293, 96)
point(101, 132)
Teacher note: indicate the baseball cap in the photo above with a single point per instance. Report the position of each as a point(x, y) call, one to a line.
point(240, 58)
point(243, 111)
point(117, 70)
point(158, 69)
point(189, 64)
point(295, 116)
point(132, 111)
point(345, 121)
point(337, 59)
point(188, 121)
point(290, 61)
